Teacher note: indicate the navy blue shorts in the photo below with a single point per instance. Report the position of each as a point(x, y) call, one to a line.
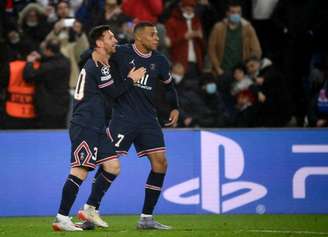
point(147, 138)
point(89, 147)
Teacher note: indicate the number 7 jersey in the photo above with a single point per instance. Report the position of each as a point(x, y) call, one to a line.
point(137, 104)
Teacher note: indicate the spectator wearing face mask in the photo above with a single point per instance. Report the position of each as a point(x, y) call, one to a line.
point(33, 23)
point(186, 35)
point(218, 115)
point(232, 40)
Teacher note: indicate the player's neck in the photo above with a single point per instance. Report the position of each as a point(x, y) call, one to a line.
point(102, 53)
point(141, 48)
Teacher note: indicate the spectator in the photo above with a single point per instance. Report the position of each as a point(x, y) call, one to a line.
point(193, 110)
point(111, 15)
point(143, 10)
point(208, 16)
point(17, 45)
point(294, 19)
point(73, 42)
point(126, 32)
point(241, 80)
point(273, 95)
point(318, 95)
point(267, 33)
point(34, 25)
point(218, 116)
point(246, 115)
point(87, 12)
point(18, 94)
point(63, 10)
point(185, 32)
point(231, 41)
point(51, 79)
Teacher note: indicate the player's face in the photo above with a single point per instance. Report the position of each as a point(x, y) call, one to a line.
point(109, 42)
point(149, 38)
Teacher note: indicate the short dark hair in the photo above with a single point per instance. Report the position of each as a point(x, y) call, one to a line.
point(53, 45)
point(239, 66)
point(234, 3)
point(96, 33)
point(252, 58)
point(142, 25)
point(62, 1)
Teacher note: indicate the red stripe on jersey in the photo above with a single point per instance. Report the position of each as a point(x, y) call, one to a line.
point(151, 151)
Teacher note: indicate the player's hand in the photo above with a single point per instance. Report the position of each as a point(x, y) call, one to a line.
point(99, 59)
point(173, 120)
point(136, 75)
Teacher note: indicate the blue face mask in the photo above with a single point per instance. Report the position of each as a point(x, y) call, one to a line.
point(211, 88)
point(235, 18)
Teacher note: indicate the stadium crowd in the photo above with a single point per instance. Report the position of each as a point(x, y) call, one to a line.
point(247, 63)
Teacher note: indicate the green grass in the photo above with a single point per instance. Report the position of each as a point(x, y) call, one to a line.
point(184, 225)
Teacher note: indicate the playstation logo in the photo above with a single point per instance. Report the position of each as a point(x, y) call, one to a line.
point(208, 190)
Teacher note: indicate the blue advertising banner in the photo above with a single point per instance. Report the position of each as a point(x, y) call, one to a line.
point(213, 171)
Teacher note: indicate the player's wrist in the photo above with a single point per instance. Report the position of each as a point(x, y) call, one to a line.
point(130, 80)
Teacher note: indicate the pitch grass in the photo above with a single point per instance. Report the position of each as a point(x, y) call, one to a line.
point(184, 225)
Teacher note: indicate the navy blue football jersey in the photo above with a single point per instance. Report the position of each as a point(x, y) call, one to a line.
point(137, 104)
point(94, 88)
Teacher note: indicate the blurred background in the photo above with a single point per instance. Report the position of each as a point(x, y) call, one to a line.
point(246, 63)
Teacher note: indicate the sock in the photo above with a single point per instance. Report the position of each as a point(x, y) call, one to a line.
point(145, 215)
point(100, 187)
point(99, 171)
point(70, 190)
point(152, 191)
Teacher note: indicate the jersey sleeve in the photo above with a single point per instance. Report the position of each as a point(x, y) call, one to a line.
point(110, 83)
point(166, 78)
point(164, 70)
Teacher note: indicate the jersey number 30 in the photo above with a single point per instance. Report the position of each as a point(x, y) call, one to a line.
point(79, 90)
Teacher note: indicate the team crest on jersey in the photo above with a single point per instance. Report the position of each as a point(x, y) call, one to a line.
point(105, 70)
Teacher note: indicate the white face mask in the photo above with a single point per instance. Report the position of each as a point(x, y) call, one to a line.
point(32, 23)
point(177, 78)
point(188, 16)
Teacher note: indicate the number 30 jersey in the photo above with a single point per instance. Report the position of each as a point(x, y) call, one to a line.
point(94, 88)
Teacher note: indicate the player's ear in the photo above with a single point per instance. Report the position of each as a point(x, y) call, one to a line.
point(99, 43)
point(137, 36)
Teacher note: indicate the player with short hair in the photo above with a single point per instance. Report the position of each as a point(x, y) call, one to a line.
point(90, 146)
point(134, 118)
